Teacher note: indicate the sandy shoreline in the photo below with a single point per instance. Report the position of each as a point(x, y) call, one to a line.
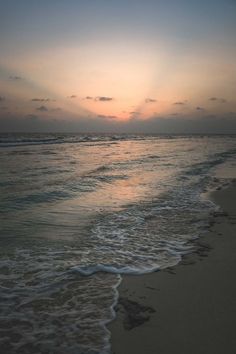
point(190, 308)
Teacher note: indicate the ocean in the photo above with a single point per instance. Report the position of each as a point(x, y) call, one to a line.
point(79, 211)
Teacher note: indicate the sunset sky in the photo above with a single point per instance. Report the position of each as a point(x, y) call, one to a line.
point(104, 65)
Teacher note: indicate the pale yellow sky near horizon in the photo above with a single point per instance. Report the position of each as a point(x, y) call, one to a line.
point(136, 80)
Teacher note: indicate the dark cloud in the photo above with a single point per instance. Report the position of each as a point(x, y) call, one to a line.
point(42, 109)
point(216, 99)
point(106, 117)
point(223, 100)
point(134, 113)
point(2, 98)
point(72, 96)
point(179, 103)
point(42, 100)
point(200, 108)
point(88, 98)
point(3, 108)
point(150, 100)
point(57, 109)
point(45, 109)
point(104, 99)
point(204, 124)
point(207, 124)
point(32, 117)
point(15, 78)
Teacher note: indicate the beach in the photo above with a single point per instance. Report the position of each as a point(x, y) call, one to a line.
point(83, 217)
point(117, 177)
point(189, 308)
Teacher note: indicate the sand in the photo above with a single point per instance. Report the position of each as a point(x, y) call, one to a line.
point(190, 308)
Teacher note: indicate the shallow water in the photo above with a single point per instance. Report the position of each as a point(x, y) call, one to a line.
point(79, 211)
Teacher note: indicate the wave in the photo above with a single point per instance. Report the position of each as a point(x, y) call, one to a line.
point(18, 139)
point(13, 140)
point(64, 283)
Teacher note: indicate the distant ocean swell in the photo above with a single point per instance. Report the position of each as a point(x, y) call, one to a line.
point(8, 140)
point(66, 237)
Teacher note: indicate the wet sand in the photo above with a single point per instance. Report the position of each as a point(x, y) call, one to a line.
point(190, 308)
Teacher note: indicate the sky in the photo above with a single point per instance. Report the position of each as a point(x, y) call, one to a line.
point(158, 66)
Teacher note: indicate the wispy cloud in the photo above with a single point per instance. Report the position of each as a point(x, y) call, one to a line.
point(134, 113)
point(15, 78)
point(179, 103)
point(32, 117)
point(72, 96)
point(57, 109)
point(42, 100)
point(46, 109)
point(200, 108)
point(150, 100)
point(104, 98)
point(42, 109)
point(217, 99)
point(231, 114)
point(99, 98)
point(106, 117)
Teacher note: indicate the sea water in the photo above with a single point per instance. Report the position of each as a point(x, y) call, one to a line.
point(77, 212)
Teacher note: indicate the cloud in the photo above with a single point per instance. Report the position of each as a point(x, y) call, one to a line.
point(179, 103)
point(15, 78)
point(106, 117)
point(204, 124)
point(32, 117)
point(57, 109)
point(200, 108)
point(216, 99)
point(42, 100)
point(42, 109)
point(231, 114)
point(72, 96)
point(3, 108)
point(45, 109)
point(103, 99)
point(2, 98)
point(134, 112)
point(150, 100)
point(99, 98)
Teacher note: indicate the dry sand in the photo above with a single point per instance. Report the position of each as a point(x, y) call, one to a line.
point(190, 308)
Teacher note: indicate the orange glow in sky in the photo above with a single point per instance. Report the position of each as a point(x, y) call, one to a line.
point(117, 67)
